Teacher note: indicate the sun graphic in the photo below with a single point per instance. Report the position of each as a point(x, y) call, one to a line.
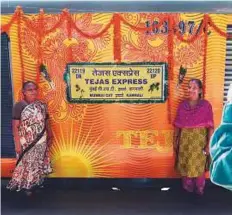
point(72, 164)
point(79, 156)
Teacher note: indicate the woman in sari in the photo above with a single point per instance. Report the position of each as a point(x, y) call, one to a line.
point(32, 137)
point(193, 129)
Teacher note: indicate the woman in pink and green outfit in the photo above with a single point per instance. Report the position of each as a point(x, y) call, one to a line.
point(193, 128)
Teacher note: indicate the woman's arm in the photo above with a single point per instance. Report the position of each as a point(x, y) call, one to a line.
point(49, 133)
point(176, 138)
point(16, 120)
point(15, 124)
point(210, 129)
point(209, 135)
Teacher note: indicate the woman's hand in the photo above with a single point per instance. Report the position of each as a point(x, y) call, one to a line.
point(176, 147)
point(206, 150)
point(18, 148)
point(209, 135)
point(176, 139)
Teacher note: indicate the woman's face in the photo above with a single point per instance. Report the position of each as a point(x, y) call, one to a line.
point(194, 91)
point(30, 92)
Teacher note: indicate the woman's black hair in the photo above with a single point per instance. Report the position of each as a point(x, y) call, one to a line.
point(28, 82)
point(199, 84)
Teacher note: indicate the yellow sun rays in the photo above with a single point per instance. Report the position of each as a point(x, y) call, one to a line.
point(78, 153)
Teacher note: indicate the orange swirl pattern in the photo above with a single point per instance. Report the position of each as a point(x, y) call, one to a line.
point(113, 140)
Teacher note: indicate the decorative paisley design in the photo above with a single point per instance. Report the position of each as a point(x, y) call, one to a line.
point(188, 54)
point(29, 40)
point(54, 50)
point(81, 52)
point(85, 23)
point(143, 46)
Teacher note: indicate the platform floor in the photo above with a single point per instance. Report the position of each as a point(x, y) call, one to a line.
point(128, 201)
